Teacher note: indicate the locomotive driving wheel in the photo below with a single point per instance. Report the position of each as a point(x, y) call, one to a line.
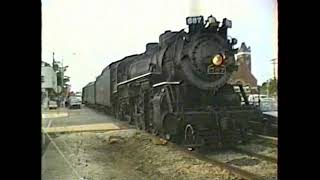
point(190, 136)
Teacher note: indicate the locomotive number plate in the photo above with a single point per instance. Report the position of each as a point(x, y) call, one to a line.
point(216, 70)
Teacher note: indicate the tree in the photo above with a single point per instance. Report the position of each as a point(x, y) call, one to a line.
point(55, 66)
point(273, 88)
point(62, 82)
point(270, 85)
point(59, 82)
point(66, 79)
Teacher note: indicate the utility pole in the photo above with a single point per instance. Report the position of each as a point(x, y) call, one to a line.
point(62, 88)
point(53, 62)
point(62, 75)
point(273, 61)
point(268, 85)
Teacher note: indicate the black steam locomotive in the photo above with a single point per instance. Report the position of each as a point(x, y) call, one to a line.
point(178, 87)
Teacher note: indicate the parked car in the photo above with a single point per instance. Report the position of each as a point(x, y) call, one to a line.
point(53, 104)
point(74, 102)
point(254, 98)
point(269, 104)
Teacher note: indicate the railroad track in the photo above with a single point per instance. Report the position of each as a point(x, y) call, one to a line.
point(244, 163)
point(227, 164)
point(255, 164)
point(253, 154)
point(239, 171)
point(235, 170)
point(270, 139)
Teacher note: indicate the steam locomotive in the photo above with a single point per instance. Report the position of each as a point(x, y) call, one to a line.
point(178, 88)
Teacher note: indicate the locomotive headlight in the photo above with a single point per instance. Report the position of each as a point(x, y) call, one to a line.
point(217, 60)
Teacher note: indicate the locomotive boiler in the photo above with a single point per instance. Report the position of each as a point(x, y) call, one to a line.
point(178, 88)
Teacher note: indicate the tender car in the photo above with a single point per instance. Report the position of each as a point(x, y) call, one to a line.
point(74, 102)
point(53, 104)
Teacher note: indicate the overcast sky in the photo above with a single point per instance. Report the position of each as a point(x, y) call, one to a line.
point(90, 34)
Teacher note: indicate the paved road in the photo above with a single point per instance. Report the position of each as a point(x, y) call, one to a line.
point(69, 117)
point(63, 117)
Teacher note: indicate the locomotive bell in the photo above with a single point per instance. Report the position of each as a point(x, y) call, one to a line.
point(217, 60)
point(212, 21)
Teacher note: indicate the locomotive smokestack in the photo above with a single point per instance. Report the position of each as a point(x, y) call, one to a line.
point(195, 20)
point(195, 8)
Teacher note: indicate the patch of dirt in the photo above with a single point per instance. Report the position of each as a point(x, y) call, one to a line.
point(127, 155)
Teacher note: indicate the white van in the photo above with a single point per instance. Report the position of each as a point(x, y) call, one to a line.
point(254, 98)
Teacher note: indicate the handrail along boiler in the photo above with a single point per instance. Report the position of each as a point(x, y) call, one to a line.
point(178, 87)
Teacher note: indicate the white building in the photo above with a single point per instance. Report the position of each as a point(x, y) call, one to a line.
point(48, 79)
point(48, 83)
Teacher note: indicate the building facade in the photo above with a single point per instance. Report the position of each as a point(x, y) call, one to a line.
point(244, 76)
point(48, 84)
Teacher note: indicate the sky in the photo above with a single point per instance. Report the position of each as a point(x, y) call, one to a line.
point(90, 34)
